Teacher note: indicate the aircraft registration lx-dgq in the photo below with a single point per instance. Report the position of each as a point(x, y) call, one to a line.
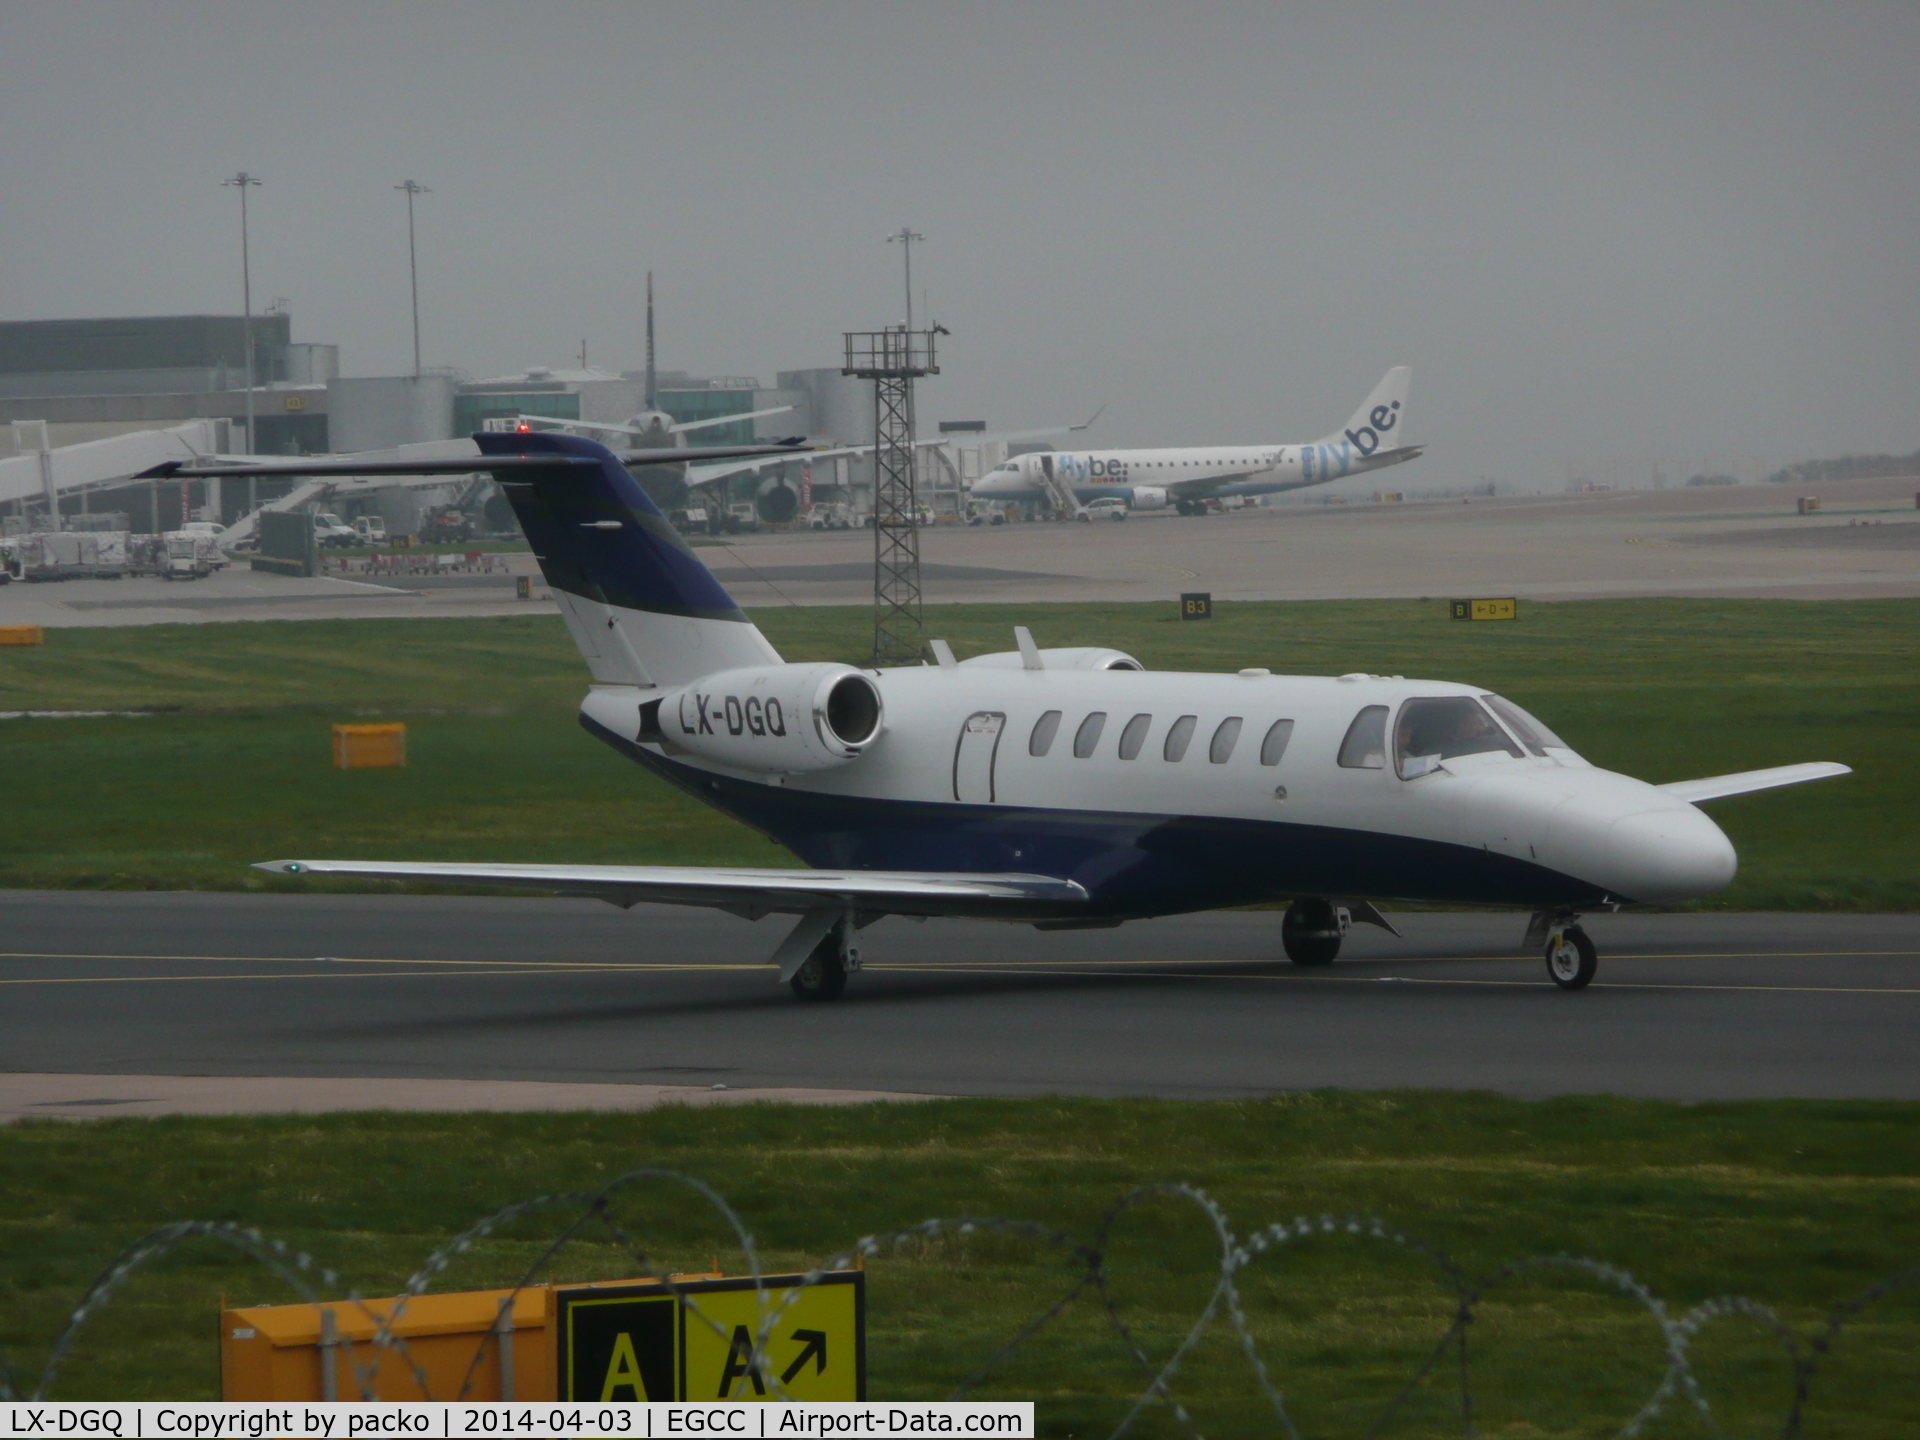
point(1188, 477)
point(1066, 788)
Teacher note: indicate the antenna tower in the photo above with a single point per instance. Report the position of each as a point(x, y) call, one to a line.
point(653, 392)
point(893, 359)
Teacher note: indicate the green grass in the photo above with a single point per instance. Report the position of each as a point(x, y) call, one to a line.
point(238, 770)
point(1798, 1204)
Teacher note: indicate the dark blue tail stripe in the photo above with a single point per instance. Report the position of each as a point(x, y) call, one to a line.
point(640, 563)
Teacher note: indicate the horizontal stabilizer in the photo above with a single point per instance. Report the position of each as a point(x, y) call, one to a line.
point(754, 891)
point(345, 465)
point(1719, 787)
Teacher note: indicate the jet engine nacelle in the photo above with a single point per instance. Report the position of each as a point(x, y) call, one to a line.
point(1078, 657)
point(1148, 497)
point(776, 501)
point(778, 719)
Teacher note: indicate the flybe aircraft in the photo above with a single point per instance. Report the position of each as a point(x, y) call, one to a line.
point(1063, 788)
point(1187, 478)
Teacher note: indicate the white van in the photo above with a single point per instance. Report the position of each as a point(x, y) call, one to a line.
point(370, 529)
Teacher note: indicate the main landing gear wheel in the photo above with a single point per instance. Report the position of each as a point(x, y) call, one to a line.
point(1571, 958)
point(823, 974)
point(1310, 932)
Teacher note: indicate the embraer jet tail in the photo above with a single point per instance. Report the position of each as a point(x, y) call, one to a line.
point(1375, 429)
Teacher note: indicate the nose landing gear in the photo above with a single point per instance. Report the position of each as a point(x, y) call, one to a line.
point(1571, 958)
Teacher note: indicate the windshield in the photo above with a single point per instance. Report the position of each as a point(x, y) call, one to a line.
point(1535, 736)
point(1441, 729)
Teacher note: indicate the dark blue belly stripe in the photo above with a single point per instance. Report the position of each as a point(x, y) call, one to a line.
point(1131, 865)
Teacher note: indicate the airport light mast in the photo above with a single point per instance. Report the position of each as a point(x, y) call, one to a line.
point(413, 269)
point(244, 182)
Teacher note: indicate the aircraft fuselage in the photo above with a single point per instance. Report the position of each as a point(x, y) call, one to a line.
point(959, 781)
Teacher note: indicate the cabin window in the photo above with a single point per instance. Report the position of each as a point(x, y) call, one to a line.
point(1365, 747)
point(1088, 735)
point(1044, 729)
point(1430, 731)
point(1134, 736)
point(1178, 736)
point(1224, 739)
point(1529, 731)
point(1275, 744)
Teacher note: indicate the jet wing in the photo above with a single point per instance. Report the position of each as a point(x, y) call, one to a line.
point(752, 892)
point(1719, 787)
point(707, 474)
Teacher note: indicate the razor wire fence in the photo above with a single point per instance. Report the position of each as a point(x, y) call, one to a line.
point(1093, 1284)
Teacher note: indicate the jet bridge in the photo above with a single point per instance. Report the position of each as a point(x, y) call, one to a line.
point(40, 473)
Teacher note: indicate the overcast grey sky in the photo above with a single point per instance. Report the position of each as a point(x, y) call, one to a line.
point(1601, 234)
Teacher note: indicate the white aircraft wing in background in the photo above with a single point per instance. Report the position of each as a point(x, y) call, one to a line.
point(679, 428)
point(699, 475)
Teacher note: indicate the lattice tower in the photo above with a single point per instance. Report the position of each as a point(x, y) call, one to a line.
point(893, 359)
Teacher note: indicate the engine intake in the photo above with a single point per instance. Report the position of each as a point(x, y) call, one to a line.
point(779, 719)
point(1148, 497)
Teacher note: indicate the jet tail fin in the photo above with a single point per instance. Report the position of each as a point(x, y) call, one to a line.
point(1380, 422)
point(638, 603)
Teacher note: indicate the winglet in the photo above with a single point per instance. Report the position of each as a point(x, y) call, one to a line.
point(1088, 424)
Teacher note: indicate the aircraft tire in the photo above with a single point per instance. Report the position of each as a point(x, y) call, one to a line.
point(821, 975)
point(1310, 933)
point(1571, 959)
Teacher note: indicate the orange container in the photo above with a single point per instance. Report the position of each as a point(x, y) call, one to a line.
point(369, 747)
point(459, 1343)
point(22, 635)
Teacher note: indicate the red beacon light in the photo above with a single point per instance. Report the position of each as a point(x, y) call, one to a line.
point(524, 428)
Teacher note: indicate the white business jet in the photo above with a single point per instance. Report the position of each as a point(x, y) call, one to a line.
point(1187, 478)
point(1063, 788)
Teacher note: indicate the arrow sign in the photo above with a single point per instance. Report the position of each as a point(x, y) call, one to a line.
point(814, 1348)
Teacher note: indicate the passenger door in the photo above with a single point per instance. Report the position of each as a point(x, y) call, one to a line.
point(973, 757)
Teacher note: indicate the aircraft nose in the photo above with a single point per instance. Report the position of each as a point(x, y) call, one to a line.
point(1676, 854)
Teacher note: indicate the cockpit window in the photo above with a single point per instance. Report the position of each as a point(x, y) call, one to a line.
point(1532, 734)
point(1440, 729)
point(1365, 747)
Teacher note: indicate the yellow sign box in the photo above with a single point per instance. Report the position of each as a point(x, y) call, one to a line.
point(369, 747)
point(22, 635)
point(635, 1343)
point(1507, 609)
